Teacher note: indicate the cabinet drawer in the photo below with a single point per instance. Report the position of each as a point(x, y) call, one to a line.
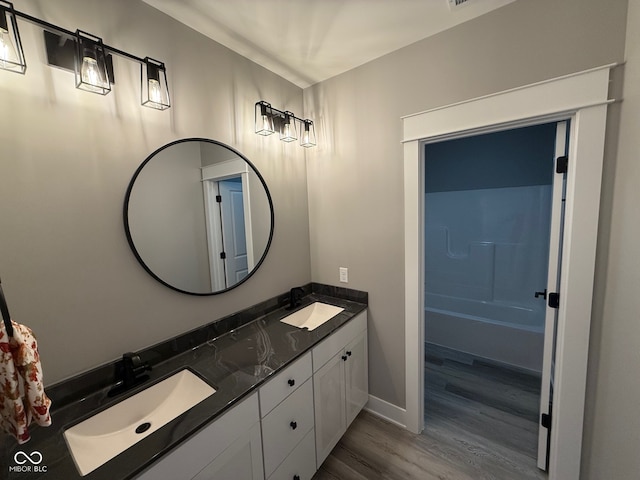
point(301, 463)
point(286, 426)
point(338, 339)
point(284, 383)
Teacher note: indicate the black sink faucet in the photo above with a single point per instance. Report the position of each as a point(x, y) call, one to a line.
point(295, 295)
point(132, 373)
point(133, 369)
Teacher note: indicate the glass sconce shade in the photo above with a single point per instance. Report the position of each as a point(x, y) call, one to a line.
point(11, 53)
point(308, 134)
point(154, 87)
point(269, 118)
point(288, 128)
point(264, 119)
point(91, 65)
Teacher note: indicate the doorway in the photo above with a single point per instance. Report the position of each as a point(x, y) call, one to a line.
point(491, 257)
point(581, 98)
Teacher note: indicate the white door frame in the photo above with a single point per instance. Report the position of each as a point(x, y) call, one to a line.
point(211, 174)
point(581, 97)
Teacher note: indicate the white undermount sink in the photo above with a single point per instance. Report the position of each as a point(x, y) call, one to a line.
point(312, 316)
point(98, 439)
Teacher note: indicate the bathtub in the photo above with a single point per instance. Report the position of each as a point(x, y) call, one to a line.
point(486, 253)
point(502, 314)
point(506, 334)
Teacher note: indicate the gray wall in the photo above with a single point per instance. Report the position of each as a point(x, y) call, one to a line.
point(67, 158)
point(612, 423)
point(355, 181)
point(166, 214)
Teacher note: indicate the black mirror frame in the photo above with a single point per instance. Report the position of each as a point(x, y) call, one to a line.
point(128, 231)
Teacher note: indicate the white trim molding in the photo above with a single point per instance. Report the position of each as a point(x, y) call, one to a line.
point(385, 410)
point(582, 98)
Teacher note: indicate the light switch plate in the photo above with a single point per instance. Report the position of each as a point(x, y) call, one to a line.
point(344, 275)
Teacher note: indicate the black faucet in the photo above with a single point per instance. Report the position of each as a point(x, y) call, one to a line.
point(132, 372)
point(295, 295)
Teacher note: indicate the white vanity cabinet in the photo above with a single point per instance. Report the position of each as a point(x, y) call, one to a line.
point(230, 448)
point(340, 382)
point(286, 429)
point(286, 406)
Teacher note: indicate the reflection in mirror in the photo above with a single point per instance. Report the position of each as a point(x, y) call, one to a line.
point(198, 216)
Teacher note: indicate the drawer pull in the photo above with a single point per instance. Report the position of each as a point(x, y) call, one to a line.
point(344, 358)
point(296, 477)
point(291, 382)
point(293, 425)
point(348, 353)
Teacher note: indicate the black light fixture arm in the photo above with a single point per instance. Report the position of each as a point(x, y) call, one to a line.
point(72, 35)
point(274, 112)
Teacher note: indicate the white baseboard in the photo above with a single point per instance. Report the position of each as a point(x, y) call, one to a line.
point(387, 411)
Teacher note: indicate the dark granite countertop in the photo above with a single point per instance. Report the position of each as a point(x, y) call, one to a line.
point(235, 364)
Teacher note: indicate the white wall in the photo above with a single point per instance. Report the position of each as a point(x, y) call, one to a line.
point(612, 422)
point(67, 157)
point(355, 187)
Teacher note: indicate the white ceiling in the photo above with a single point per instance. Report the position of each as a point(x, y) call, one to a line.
point(307, 41)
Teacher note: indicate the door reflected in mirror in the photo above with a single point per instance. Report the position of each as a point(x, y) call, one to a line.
point(198, 216)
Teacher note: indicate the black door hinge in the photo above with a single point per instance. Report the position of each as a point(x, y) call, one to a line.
point(545, 418)
point(219, 198)
point(554, 300)
point(223, 255)
point(562, 164)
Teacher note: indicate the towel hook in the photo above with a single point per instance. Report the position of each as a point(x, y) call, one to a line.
point(5, 312)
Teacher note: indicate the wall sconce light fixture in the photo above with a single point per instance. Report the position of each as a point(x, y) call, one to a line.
point(11, 53)
point(288, 128)
point(308, 136)
point(154, 87)
point(90, 64)
point(268, 119)
point(264, 118)
point(82, 53)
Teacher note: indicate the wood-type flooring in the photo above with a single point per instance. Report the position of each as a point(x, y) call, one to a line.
point(480, 424)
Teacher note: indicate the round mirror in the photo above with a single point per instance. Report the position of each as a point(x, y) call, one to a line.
point(198, 216)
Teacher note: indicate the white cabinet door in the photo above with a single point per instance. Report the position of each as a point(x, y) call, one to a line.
point(330, 407)
point(356, 376)
point(242, 460)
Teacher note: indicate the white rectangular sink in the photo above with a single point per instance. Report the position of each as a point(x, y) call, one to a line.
point(312, 316)
point(98, 439)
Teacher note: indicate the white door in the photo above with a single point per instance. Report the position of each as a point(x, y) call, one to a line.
point(233, 230)
point(551, 313)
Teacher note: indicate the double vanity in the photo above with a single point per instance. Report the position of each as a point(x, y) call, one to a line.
point(268, 399)
point(265, 393)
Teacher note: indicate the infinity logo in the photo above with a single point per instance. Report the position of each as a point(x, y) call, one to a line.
point(35, 458)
